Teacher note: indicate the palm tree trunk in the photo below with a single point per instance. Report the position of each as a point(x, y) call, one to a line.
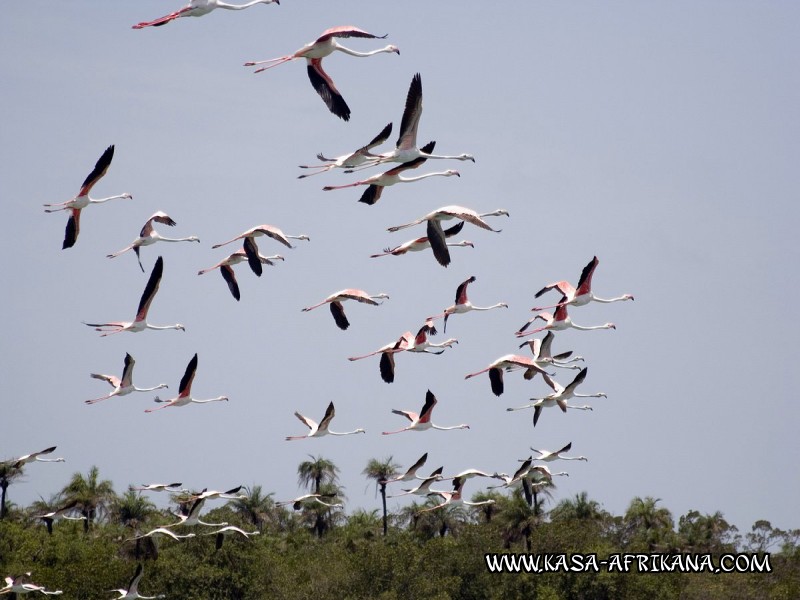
point(383, 498)
point(4, 487)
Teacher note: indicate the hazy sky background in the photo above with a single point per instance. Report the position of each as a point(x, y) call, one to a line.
point(661, 137)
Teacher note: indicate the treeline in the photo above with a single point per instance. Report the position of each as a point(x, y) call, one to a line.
point(319, 551)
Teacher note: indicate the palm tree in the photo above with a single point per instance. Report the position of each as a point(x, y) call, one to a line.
point(488, 510)
point(518, 519)
point(317, 471)
point(93, 495)
point(8, 473)
point(579, 508)
point(645, 521)
point(132, 509)
point(380, 472)
point(706, 533)
point(322, 517)
point(255, 507)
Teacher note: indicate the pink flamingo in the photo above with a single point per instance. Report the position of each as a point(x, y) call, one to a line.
point(315, 51)
point(423, 488)
point(251, 249)
point(463, 305)
point(140, 322)
point(198, 8)
point(347, 161)
point(422, 421)
point(558, 322)
point(550, 456)
point(184, 396)
point(82, 200)
point(560, 396)
point(453, 498)
point(123, 386)
point(423, 243)
point(387, 353)
point(335, 301)
point(149, 236)
point(434, 228)
point(225, 267)
point(507, 362)
point(393, 176)
point(320, 429)
point(411, 473)
point(583, 293)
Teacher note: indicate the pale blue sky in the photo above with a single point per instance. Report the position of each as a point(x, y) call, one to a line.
point(661, 137)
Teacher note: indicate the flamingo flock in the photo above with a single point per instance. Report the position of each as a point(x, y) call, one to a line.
point(406, 155)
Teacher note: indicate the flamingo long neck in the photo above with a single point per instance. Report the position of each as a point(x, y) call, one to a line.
point(617, 299)
point(101, 200)
point(345, 432)
point(161, 238)
point(598, 395)
point(217, 399)
point(424, 175)
point(588, 328)
point(241, 6)
point(498, 305)
point(352, 52)
point(462, 426)
point(149, 389)
point(149, 326)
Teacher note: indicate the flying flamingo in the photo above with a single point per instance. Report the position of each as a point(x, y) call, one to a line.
point(20, 462)
point(192, 516)
point(422, 421)
point(411, 473)
point(132, 591)
point(423, 243)
point(470, 473)
point(250, 247)
point(159, 487)
point(583, 293)
point(315, 51)
point(335, 301)
point(550, 456)
point(543, 354)
point(60, 513)
point(558, 322)
point(229, 530)
point(297, 503)
point(149, 236)
point(420, 342)
point(140, 322)
point(560, 396)
point(406, 149)
point(198, 8)
point(124, 386)
point(82, 200)
point(435, 233)
point(507, 362)
point(423, 488)
point(18, 585)
point(454, 497)
point(184, 396)
point(387, 353)
point(162, 531)
point(351, 160)
point(225, 267)
point(320, 429)
point(207, 494)
point(463, 305)
point(377, 182)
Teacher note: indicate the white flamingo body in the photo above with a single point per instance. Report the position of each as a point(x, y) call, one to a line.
point(406, 149)
point(140, 322)
point(229, 530)
point(60, 513)
point(422, 421)
point(559, 321)
point(18, 585)
point(132, 591)
point(423, 243)
point(423, 488)
point(463, 305)
point(315, 51)
point(582, 294)
point(149, 236)
point(507, 362)
point(422, 343)
point(436, 234)
point(560, 396)
point(225, 267)
point(123, 386)
point(320, 429)
point(550, 456)
point(21, 461)
point(82, 200)
point(250, 247)
point(391, 177)
point(454, 497)
point(184, 396)
point(192, 516)
point(297, 503)
point(335, 301)
point(198, 8)
point(348, 161)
